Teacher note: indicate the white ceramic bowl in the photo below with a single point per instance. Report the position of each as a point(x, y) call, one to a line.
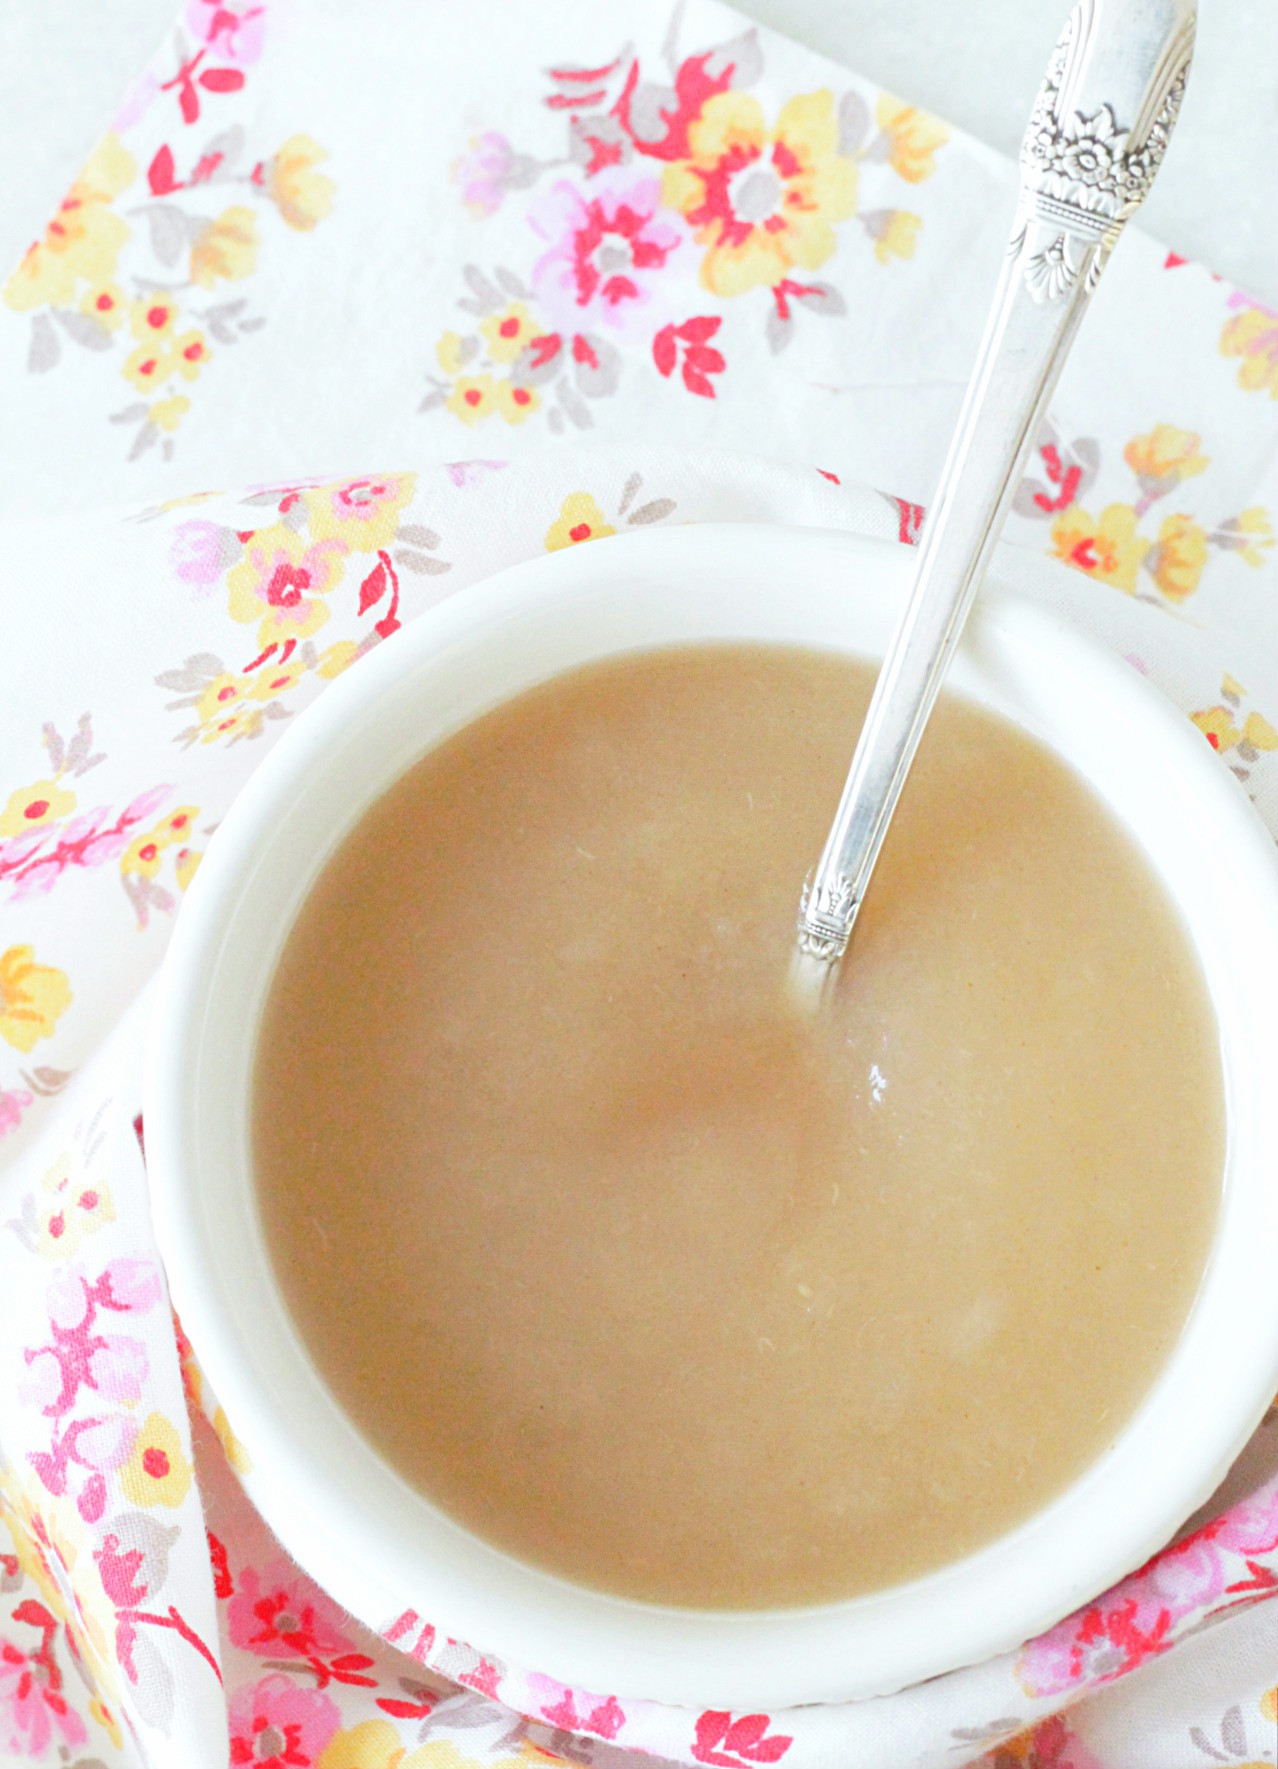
point(377, 1545)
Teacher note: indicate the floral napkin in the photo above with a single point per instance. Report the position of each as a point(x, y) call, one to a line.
point(436, 299)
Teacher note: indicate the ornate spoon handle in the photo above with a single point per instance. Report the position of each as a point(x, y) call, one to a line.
point(1097, 135)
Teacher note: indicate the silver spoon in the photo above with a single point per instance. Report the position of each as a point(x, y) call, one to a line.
point(1097, 135)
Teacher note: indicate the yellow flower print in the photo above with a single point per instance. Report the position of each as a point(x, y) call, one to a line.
point(1259, 733)
point(1249, 534)
point(167, 414)
point(241, 721)
point(188, 354)
point(48, 1536)
point(232, 1448)
point(373, 1744)
point(1176, 560)
point(107, 1721)
point(157, 1472)
point(337, 658)
point(1165, 455)
point(269, 681)
point(148, 367)
point(1269, 1704)
point(449, 353)
point(30, 807)
point(764, 203)
point(78, 1207)
point(281, 581)
point(188, 864)
point(516, 403)
point(445, 1753)
point(895, 236)
point(82, 242)
point(152, 321)
point(1109, 549)
point(109, 171)
point(1253, 336)
point(33, 998)
point(362, 514)
point(227, 248)
point(142, 857)
point(107, 304)
point(1219, 727)
point(506, 333)
point(302, 195)
point(473, 397)
point(913, 137)
point(220, 696)
point(580, 519)
point(177, 825)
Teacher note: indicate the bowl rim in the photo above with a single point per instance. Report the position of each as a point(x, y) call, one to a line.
point(349, 1518)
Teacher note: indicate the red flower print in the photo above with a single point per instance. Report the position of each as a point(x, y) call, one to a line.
point(279, 1610)
point(700, 359)
point(276, 1724)
point(32, 1706)
point(729, 1743)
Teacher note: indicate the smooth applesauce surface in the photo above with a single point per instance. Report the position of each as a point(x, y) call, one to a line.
point(647, 1279)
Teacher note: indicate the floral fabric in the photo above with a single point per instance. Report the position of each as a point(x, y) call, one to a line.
point(436, 302)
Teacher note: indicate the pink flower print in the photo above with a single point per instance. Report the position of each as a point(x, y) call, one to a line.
point(482, 173)
point(281, 582)
point(1250, 1528)
point(280, 1610)
point(1182, 1579)
point(137, 102)
point(42, 1383)
point(607, 255)
point(1116, 1635)
point(63, 1469)
point(201, 551)
point(277, 1724)
point(360, 513)
point(464, 473)
point(362, 500)
point(90, 1448)
point(32, 1705)
point(80, 1353)
point(130, 1286)
point(118, 1368)
point(234, 34)
point(575, 1710)
point(71, 1350)
point(68, 1299)
point(13, 1103)
point(103, 1444)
